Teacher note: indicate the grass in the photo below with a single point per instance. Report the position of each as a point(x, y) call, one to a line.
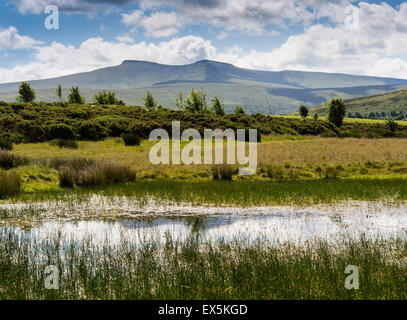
point(194, 269)
point(10, 183)
point(292, 170)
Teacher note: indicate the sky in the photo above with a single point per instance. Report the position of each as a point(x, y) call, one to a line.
point(341, 36)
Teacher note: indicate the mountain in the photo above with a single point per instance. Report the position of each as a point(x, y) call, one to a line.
point(393, 104)
point(257, 91)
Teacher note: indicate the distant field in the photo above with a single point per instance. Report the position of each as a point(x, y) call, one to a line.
point(290, 166)
point(347, 120)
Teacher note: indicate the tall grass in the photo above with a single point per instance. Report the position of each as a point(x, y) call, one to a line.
point(97, 174)
point(198, 270)
point(10, 183)
point(10, 160)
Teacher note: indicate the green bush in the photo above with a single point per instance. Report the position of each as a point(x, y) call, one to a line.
point(92, 130)
point(6, 143)
point(61, 131)
point(67, 143)
point(10, 183)
point(131, 139)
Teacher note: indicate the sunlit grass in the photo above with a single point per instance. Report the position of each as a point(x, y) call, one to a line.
point(197, 270)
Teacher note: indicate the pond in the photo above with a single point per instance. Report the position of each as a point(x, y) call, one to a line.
point(270, 225)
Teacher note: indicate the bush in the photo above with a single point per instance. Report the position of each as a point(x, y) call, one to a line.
point(6, 144)
point(66, 143)
point(66, 177)
point(92, 130)
point(331, 172)
point(223, 172)
point(9, 160)
point(131, 139)
point(61, 131)
point(10, 183)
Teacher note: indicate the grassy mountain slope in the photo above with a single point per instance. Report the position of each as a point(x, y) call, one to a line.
point(393, 104)
point(258, 91)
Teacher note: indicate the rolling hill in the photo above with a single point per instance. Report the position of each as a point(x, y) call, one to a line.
point(258, 91)
point(393, 104)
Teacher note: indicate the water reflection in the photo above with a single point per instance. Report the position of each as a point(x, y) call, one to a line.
point(274, 227)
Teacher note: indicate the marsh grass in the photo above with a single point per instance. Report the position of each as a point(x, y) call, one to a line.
point(97, 174)
point(10, 183)
point(9, 160)
point(194, 269)
point(223, 172)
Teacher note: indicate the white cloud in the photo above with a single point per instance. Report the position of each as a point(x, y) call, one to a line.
point(58, 59)
point(157, 25)
point(11, 40)
point(125, 38)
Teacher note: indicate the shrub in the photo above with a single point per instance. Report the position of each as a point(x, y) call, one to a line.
point(131, 139)
point(67, 143)
point(61, 131)
point(10, 160)
point(223, 172)
point(6, 143)
point(66, 177)
point(92, 130)
point(10, 183)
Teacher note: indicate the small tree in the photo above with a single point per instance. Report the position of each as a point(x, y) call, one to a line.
point(149, 101)
point(336, 111)
point(217, 106)
point(315, 117)
point(58, 92)
point(75, 96)
point(103, 97)
point(303, 110)
point(239, 110)
point(26, 93)
point(196, 102)
point(179, 101)
point(392, 126)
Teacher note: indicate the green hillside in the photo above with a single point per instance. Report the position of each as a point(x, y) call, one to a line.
point(257, 91)
point(393, 104)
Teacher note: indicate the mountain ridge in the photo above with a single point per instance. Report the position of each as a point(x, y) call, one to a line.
point(256, 90)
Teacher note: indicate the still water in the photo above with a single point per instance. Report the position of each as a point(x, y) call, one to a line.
point(273, 227)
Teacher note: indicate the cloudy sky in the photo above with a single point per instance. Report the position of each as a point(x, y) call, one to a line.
point(343, 36)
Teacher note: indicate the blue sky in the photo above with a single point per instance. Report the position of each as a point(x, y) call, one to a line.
point(358, 37)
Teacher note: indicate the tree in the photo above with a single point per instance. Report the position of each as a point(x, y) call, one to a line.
point(336, 111)
point(26, 93)
point(75, 96)
point(239, 110)
point(179, 101)
point(303, 110)
point(217, 106)
point(315, 117)
point(109, 97)
point(58, 92)
point(196, 102)
point(149, 101)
